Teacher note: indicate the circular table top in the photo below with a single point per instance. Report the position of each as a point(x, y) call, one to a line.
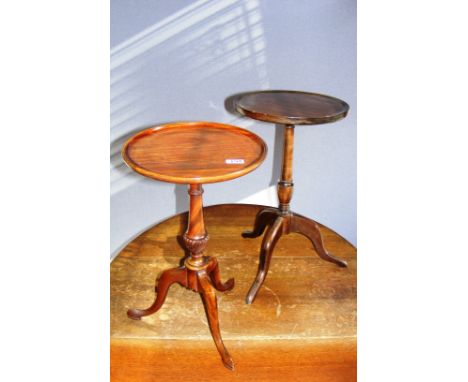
point(194, 152)
point(291, 107)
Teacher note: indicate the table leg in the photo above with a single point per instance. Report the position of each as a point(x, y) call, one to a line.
point(282, 221)
point(208, 295)
point(263, 219)
point(164, 282)
point(269, 241)
point(215, 277)
point(311, 230)
point(199, 274)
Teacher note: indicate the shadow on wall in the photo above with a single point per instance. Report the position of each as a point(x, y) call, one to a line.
point(184, 65)
point(208, 39)
point(120, 168)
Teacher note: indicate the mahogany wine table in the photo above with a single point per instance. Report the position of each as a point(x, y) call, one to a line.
point(193, 153)
point(301, 328)
point(287, 108)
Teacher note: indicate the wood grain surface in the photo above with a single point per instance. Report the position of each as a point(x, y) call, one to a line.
point(301, 327)
point(291, 107)
point(194, 152)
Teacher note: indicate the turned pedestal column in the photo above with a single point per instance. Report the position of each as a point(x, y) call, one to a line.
point(287, 109)
point(194, 153)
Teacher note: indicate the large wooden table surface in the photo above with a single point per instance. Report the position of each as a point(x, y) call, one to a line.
point(302, 326)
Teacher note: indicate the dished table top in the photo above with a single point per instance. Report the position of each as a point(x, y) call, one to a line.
point(194, 152)
point(291, 107)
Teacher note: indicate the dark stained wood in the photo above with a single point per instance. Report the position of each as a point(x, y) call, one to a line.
point(302, 326)
point(194, 152)
point(291, 107)
point(287, 108)
point(286, 185)
point(282, 221)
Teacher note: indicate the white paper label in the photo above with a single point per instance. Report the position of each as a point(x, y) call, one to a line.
point(234, 161)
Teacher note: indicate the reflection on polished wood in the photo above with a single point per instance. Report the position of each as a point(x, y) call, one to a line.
point(289, 108)
point(302, 327)
point(194, 153)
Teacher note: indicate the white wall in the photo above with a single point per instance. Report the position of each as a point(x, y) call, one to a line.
point(180, 60)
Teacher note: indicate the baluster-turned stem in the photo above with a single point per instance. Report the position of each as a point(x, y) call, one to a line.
point(195, 237)
point(286, 185)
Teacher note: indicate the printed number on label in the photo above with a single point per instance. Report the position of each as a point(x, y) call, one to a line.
point(234, 161)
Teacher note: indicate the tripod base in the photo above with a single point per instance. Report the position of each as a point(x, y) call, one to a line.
point(204, 281)
point(282, 223)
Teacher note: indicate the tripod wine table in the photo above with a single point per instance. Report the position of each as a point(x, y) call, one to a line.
point(194, 153)
point(287, 108)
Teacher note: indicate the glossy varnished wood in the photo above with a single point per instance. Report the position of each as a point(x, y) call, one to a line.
point(194, 152)
point(302, 326)
point(282, 221)
point(291, 107)
point(287, 108)
point(199, 273)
